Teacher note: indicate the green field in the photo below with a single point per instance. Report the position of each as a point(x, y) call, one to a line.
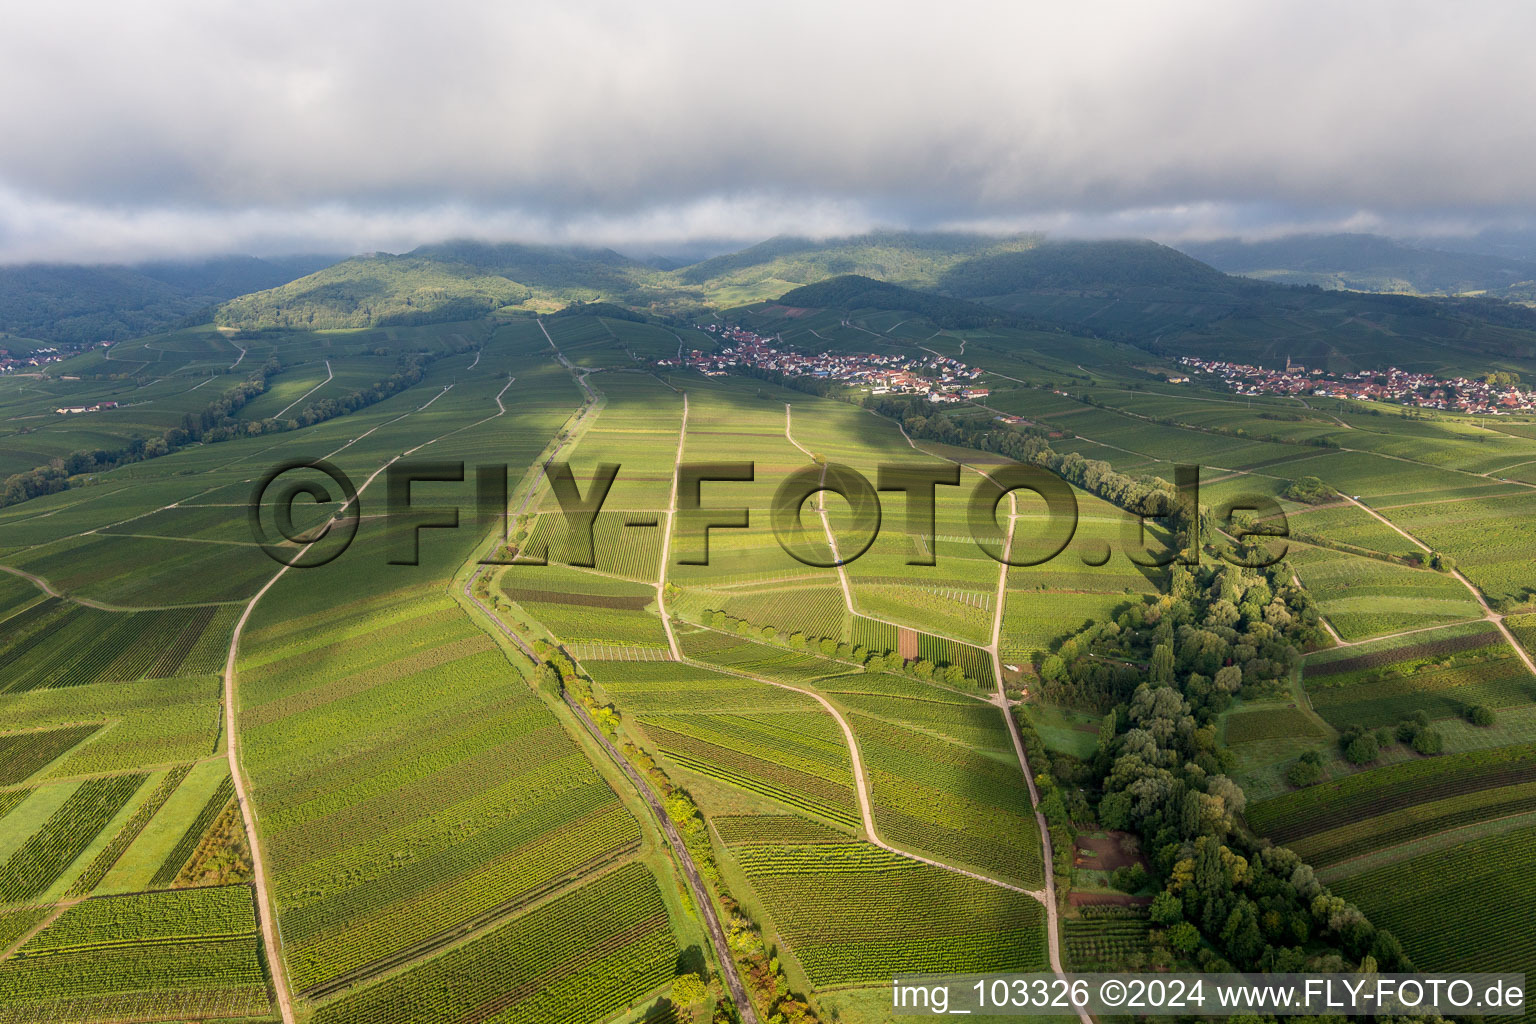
point(440, 836)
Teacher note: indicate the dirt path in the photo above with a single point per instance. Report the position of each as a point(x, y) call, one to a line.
point(1047, 897)
point(842, 571)
point(666, 539)
point(269, 931)
point(329, 376)
point(1477, 595)
point(866, 808)
point(684, 859)
point(41, 583)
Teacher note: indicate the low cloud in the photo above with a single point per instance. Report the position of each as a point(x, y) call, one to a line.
point(181, 126)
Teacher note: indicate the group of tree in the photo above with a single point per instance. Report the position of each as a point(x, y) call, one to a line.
point(1164, 673)
point(1361, 746)
point(831, 647)
point(1219, 630)
point(1309, 490)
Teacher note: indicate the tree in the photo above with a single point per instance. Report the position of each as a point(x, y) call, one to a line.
point(1428, 742)
point(1184, 937)
point(1480, 714)
point(689, 993)
point(1362, 749)
point(1166, 908)
point(1162, 663)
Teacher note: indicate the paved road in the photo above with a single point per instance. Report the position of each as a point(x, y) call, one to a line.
point(685, 861)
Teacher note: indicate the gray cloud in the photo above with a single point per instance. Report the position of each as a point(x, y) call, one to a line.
point(211, 125)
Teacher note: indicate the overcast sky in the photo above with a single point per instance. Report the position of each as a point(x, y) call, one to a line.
point(166, 127)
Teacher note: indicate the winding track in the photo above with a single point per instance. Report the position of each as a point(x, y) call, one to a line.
point(1048, 896)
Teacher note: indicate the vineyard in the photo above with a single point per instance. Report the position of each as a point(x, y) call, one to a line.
point(580, 957)
point(48, 852)
point(184, 847)
point(950, 801)
point(1398, 803)
point(630, 551)
point(1105, 938)
point(1269, 724)
point(125, 836)
point(796, 758)
point(22, 755)
point(71, 645)
point(1442, 675)
point(927, 608)
point(1366, 597)
point(972, 723)
point(739, 654)
point(672, 688)
point(585, 608)
point(1464, 909)
point(812, 611)
point(854, 914)
point(1034, 620)
point(157, 955)
point(495, 802)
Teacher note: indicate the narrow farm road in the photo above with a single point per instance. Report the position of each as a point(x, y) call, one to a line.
point(684, 859)
point(267, 921)
point(666, 538)
point(842, 572)
point(1048, 896)
point(1477, 595)
point(861, 788)
point(329, 376)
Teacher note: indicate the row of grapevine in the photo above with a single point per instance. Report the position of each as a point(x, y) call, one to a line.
point(182, 851)
point(1104, 938)
point(129, 832)
point(1368, 794)
point(853, 913)
point(581, 956)
point(78, 646)
point(213, 912)
point(38, 862)
point(24, 754)
point(949, 800)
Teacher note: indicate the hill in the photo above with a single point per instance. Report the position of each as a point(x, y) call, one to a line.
point(1368, 263)
point(439, 283)
point(83, 304)
point(1109, 267)
point(854, 292)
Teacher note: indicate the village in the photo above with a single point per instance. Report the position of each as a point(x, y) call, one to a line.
point(1497, 394)
point(24, 362)
point(940, 378)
